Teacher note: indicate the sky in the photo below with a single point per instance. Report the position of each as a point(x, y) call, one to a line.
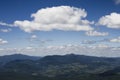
point(59, 27)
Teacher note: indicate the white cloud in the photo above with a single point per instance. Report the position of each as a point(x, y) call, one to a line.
point(116, 48)
point(1, 49)
point(64, 18)
point(3, 41)
point(117, 1)
point(96, 33)
point(5, 24)
point(95, 50)
point(29, 47)
point(117, 40)
point(33, 36)
point(5, 30)
point(100, 46)
point(110, 21)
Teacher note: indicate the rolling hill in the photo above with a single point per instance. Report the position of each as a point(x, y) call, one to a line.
point(66, 67)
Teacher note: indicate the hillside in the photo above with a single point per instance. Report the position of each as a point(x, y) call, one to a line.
point(67, 67)
point(8, 58)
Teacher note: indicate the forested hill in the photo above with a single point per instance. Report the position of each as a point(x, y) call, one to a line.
point(66, 67)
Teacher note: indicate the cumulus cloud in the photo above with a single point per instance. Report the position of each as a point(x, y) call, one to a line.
point(64, 18)
point(96, 33)
point(110, 21)
point(117, 40)
point(6, 30)
point(117, 1)
point(3, 41)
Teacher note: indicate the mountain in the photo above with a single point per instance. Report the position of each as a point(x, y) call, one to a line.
point(72, 58)
point(7, 58)
point(66, 67)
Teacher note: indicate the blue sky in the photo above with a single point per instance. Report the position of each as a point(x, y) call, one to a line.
point(48, 27)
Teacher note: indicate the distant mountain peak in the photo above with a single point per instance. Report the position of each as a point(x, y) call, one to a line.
point(17, 56)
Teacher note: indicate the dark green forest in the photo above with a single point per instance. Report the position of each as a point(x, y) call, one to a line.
point(56, 67)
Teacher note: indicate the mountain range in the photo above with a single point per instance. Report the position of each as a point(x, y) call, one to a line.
point(7, 58)
point(59, 67)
